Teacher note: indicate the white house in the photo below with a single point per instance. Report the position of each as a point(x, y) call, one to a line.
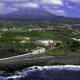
point(79, 40)
point(4, 29)
point(38, 50)
point(75, 39)
point(26, 38)
point(45, 42)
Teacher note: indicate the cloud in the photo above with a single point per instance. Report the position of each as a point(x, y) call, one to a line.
point(7, 10)
point(13, 0)
point(55, 11)
point(2, 4)
point(75, 1)
point(34, 4)
point(69, 6)
point(54, 2)
point(58, 7)
point(58, 12)
point(28, 5)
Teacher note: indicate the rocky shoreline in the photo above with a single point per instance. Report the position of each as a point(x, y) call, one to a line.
point(39, 61)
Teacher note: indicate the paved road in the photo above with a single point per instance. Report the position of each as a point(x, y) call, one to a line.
point(15, 58)
point(20, 57)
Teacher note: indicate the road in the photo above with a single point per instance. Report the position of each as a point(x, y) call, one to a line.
point(20, 57)
point(15, 58)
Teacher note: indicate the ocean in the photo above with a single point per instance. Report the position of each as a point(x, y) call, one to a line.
point(66, 72)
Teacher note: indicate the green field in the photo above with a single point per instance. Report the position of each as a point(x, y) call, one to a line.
point(10, 46)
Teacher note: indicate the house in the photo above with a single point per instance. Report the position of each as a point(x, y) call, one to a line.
point(26, 38)
point(30, 29)
point(52, 44)
point(4, 29)
point(38, 50)
point(75, 39)
point(79, 40)
point(74, 33)
point(23, 41)
point(45, 42)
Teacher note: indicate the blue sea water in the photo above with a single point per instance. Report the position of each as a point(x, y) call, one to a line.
point(67, 72)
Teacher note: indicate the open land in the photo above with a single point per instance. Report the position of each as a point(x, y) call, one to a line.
point(14, 49)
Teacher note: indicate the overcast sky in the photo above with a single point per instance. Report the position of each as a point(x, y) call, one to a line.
point(68, 8)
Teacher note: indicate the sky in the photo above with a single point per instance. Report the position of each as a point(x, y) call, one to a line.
point(67, 8)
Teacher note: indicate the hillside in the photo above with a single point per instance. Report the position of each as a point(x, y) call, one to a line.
point(38, 15)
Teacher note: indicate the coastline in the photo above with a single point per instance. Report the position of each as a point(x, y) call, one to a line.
point(12, 66)
point(24, 73)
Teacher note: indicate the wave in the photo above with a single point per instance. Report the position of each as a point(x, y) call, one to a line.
point(40, 70)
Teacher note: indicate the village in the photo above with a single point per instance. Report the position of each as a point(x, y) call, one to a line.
point(23, 47)
point(36, 28)
point(47, 43)
point(37, 40)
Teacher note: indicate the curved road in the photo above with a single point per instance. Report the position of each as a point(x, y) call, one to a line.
point(15, 58)
point(21, 57)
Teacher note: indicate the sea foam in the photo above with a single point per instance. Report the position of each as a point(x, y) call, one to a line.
point(25, 72)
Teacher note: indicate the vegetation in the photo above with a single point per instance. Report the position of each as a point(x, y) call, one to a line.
point(10, 46)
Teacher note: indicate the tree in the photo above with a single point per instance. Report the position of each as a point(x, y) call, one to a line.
point(73, 45)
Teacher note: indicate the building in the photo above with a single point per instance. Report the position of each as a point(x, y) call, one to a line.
point(23, 41)
point(45, 42)
point(75, 39)
point(38, 50)
point(74, 33)
point(79, 40)
point(26, 38)
point(4, 29)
